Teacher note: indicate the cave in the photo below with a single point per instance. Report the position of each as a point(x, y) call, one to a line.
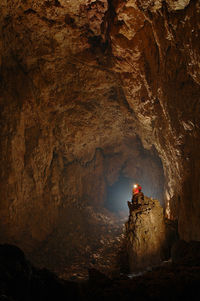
point(96, 95)
point(118, 194)
point(145, 168)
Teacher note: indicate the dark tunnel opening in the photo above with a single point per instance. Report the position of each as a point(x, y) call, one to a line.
point(121, 191)
point(118, 194)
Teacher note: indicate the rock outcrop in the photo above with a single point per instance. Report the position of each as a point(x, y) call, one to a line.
point(146, 236)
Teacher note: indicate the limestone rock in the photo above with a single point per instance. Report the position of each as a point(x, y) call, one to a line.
point(158, 99)
point(145, 232)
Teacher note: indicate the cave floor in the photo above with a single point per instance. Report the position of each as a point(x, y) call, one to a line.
point(21, 281)
point(99, 244)
point(104, 254)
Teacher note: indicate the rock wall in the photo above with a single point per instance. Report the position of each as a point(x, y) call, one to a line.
point(146, 235)
point(159, 73)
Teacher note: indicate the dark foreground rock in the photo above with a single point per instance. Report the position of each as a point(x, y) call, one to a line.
point(186, 253)
point(162, 283)
point(21, 281)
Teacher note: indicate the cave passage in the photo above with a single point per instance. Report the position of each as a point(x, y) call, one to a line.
point(121, 191)
point(118, 194)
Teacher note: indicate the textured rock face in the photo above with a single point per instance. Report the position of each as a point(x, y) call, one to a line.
point(145, 233)
point(80, 81)
point(161, 84)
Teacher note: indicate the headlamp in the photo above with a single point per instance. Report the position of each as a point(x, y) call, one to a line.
point(135, 185)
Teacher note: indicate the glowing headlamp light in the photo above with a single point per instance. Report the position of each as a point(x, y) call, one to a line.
point(135, 185)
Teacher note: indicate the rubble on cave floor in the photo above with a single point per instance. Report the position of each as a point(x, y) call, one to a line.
point(175, 281)
point(99, 241)
point(95, 242)
point(118, 243)
point(102, 254)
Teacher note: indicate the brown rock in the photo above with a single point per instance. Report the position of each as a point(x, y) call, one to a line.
point(145, 233)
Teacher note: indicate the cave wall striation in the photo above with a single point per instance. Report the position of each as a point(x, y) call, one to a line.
point(156, 49)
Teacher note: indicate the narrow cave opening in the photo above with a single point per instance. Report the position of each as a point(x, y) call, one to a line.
point(118, 194)
point(147, 170)
point(121, 191)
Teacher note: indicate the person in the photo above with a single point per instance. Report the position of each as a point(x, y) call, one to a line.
point(137, 193)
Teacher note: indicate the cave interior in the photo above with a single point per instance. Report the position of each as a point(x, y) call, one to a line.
point(96, 96)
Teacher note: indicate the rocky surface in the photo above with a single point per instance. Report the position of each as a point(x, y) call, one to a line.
point(145, 234)
point(90, 90)
point(161, 83)
point(94, 240)
point(21, 281)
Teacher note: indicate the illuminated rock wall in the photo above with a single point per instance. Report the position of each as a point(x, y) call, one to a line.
point(156, 49)
point(145, 233)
